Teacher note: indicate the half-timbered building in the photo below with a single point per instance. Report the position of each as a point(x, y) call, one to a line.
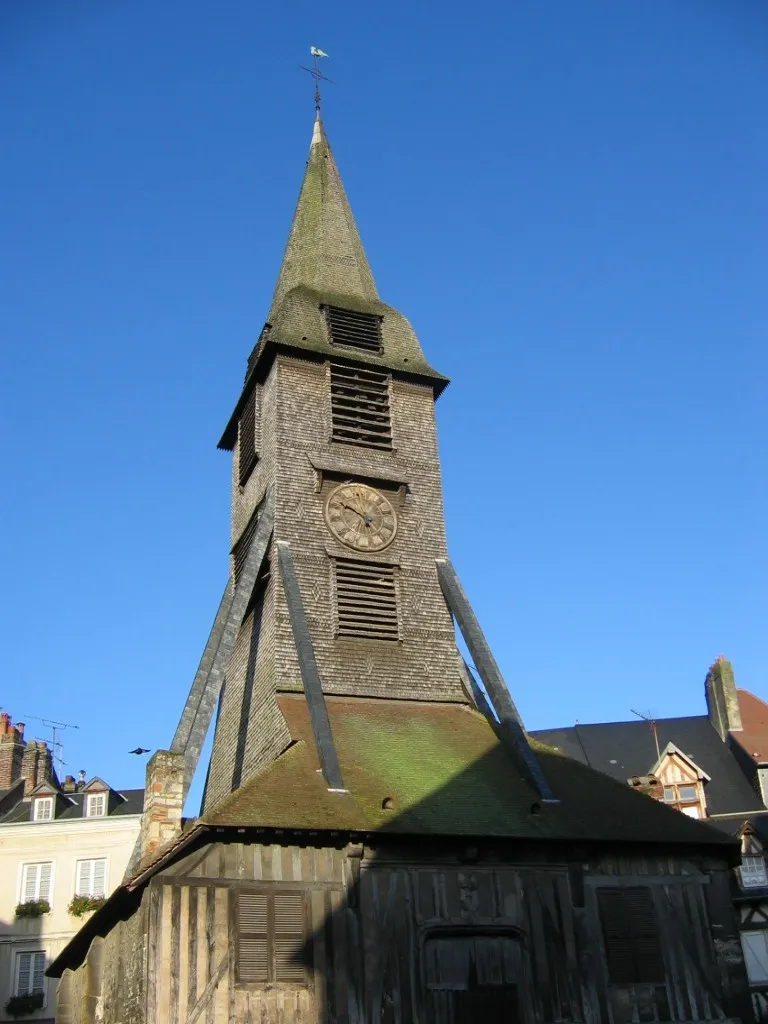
point(379, 839)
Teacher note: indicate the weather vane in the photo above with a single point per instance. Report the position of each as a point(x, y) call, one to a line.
point(316, 73)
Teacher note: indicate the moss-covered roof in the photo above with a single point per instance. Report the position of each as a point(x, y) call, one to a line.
point(324, 263)
point(444, 772)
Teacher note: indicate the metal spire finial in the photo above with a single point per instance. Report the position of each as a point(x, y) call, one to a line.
point(316, 73)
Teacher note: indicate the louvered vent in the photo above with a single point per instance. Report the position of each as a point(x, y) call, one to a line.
point(247, 456)
point(241, 548)
point(253, 950)
point(272, 937)
point(289, 936)
point(631, 937)
point(366, 600)
point(360, 407)
point(353, 330)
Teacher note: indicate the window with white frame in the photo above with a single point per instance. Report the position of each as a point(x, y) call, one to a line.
point(43, 808)
point(755, 946)
point(36, 881)
point(753, 871)
point(30, 973)
point(91, 877)
point(95, 805)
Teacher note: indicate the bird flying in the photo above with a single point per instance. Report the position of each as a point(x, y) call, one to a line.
point(139, 750)
point(314, 52)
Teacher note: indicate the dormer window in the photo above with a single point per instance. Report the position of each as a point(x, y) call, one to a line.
point(685, 799)
point(43, 809)
point(683, 782)
point(95, 805)
point(753, 872)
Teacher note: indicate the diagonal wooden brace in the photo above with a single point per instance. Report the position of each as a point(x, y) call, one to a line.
point(206, 686)
point(510, 724)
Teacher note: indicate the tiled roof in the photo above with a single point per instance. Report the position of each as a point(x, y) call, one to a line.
point(753, 738)
point(623, 749)
point(445, 773)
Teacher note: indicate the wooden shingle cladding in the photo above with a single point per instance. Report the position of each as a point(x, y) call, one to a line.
point(416, 925)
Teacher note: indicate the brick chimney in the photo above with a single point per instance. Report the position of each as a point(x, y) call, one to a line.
point(11, 751)
point(163, 800)
point(37, 765)
point(647, 784)
point(722, 698)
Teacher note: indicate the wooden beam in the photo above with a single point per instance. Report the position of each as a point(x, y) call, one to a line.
point(310, 676)
point(206, 686)
point(511, 729)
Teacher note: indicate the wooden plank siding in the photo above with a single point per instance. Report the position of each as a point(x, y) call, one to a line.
point(386, 930)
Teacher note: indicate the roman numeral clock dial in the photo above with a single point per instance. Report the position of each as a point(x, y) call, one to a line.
point(361, 517)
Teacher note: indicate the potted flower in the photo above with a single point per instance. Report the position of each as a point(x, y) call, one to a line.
point(33, 908)
point(22, 1006)
point(81, 905)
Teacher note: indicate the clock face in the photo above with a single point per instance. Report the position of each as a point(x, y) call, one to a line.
point(361, 517)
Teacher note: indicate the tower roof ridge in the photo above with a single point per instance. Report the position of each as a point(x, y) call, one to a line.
point(324, 251)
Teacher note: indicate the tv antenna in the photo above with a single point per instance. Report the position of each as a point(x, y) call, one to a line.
point(652, 722)
point(57, 747)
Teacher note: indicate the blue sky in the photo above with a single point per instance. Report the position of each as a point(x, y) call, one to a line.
point(567, 200)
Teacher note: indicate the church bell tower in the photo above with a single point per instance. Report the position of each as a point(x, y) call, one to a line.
point(339, 581)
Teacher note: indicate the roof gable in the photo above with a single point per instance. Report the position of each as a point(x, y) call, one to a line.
point(672, 752)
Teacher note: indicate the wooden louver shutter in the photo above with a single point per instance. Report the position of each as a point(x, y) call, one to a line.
point(289, 936)
point(253, 952)
point(271, 937)
point(366, 600)
point(84, 874)
point(247, 457)
point(631, 936)
point(360, 411)
point(351, 329)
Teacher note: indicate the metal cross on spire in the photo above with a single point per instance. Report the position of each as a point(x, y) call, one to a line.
point(316, 55)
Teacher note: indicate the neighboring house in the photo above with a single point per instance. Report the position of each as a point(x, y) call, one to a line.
point(375, 844)
point(63, 849)
point(713, 767)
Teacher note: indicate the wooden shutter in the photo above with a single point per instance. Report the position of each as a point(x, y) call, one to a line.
point(247, 456)
point(366, 600)
point(44, 881)
point(289, 936)
point(271, 937)
point(253, 952)
point(352, 329)
point(30, 881)
point(630, 935)
point(30, 975)
point(360, 407)
point(243, 545)
point(37, 881)
point(84, 871)
point(99, 885)
point(24, 976)
point(38, 972)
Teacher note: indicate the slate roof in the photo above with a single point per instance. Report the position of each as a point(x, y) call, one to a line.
point(446, 773)
point(753, 738)
point(623, 749)
point(133, 803)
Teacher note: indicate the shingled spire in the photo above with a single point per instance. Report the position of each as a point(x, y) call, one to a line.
point(324, 251)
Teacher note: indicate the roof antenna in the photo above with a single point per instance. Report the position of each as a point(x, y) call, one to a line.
point(57, 747)
point(647, 718)
point(316, 55)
